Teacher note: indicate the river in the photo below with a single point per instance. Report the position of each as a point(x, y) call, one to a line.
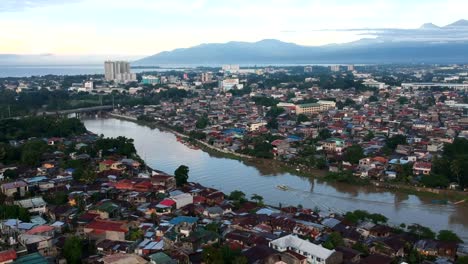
point(162, 151)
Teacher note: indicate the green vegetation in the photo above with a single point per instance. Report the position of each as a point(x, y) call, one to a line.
point(202, 122)
point(448, 236)
point(73, 250)
point(119, 145)
point(333, 240)
point(451, 166)
point(224, 254)
point(16, 129)
point(32, 151)
point(265, 101)
point(362, 215)
point(421, 232)
point(302, 118)
point(181, 175)
point(14, 212)
point(353, 154)
point(343, 176)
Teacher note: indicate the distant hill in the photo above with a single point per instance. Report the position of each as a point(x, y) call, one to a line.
point(427, 44)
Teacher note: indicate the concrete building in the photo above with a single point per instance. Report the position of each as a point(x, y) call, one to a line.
point(315, 254)
point(232, 68)
point(150, 79)
point(335, 68)
point(229, 84)
point(118, 71)
point(313, 108)
point(206, 77)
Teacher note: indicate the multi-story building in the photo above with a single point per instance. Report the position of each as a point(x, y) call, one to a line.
point(229, 84)
point(232, 68)
point(150, 79)
point(206, 77)
point(335, 68)
point(315, 254)
point(118, 71)
point(313, 108)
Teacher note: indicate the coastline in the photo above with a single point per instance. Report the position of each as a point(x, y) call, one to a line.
point(457, 198)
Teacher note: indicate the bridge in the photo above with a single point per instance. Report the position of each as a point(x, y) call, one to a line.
point(77, 110)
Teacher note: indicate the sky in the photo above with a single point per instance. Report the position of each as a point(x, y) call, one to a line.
point(136, 28)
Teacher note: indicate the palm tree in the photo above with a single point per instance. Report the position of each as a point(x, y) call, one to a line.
point(456, 167)
point(257, 198)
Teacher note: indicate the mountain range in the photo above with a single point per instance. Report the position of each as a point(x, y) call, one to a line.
point(426, 44)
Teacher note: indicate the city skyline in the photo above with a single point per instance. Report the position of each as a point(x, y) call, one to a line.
point(133, 29)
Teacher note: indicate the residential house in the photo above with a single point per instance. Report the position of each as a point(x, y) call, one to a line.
point(9, 189)
point(314, 253)
point(106, 229)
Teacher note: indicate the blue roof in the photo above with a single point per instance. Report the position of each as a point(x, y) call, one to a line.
point(34, 258)
point(294, 138)
point(183, 219)
point(234, 131)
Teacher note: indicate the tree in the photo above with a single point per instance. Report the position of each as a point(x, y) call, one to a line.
point(32, 151)
point(394, 141)
point(324, 134)
point(236, 195)
point(257, 198)
point(402, 100)
point(421, 231)
point(135, 234)
point(72, 250)
point(354, 153)
point(302, 118)
point(370, 135)
point(333, 240)
point(202, 122)
point(181, 175)
point(448, 236)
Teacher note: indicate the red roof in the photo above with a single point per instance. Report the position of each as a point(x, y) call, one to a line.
point(40, 229)
point(108, 162)
point(7, 255)
point(198, 199)
point(167, 202)
point(107, 225)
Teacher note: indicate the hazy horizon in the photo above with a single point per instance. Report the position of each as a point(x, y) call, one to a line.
point(113, 29)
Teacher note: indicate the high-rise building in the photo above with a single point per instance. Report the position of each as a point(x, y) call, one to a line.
point(231, 68)
point(335, 68)
point(351, 67)
point(308, 69)
point(150, 79)
point(206, 77)
point(118, 71)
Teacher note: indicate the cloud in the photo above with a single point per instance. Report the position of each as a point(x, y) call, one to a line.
point(20, 5)
point(426, 33)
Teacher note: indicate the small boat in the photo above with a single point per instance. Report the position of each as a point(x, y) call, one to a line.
point(282, 187)
point(439, 201)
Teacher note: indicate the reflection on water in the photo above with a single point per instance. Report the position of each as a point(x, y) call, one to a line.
point(162, 151)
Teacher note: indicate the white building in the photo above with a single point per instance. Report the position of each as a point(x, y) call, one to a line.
point(34, 205)
point(232, 68)
point(315, 254)
point(229, 84)
point(206, 77)
point(118, 71)
point(182, 200)
point(335, 68)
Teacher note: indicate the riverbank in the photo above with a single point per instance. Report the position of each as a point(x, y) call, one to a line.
point(436, 194)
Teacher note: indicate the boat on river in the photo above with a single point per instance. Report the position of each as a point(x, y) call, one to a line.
point(282, 187)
